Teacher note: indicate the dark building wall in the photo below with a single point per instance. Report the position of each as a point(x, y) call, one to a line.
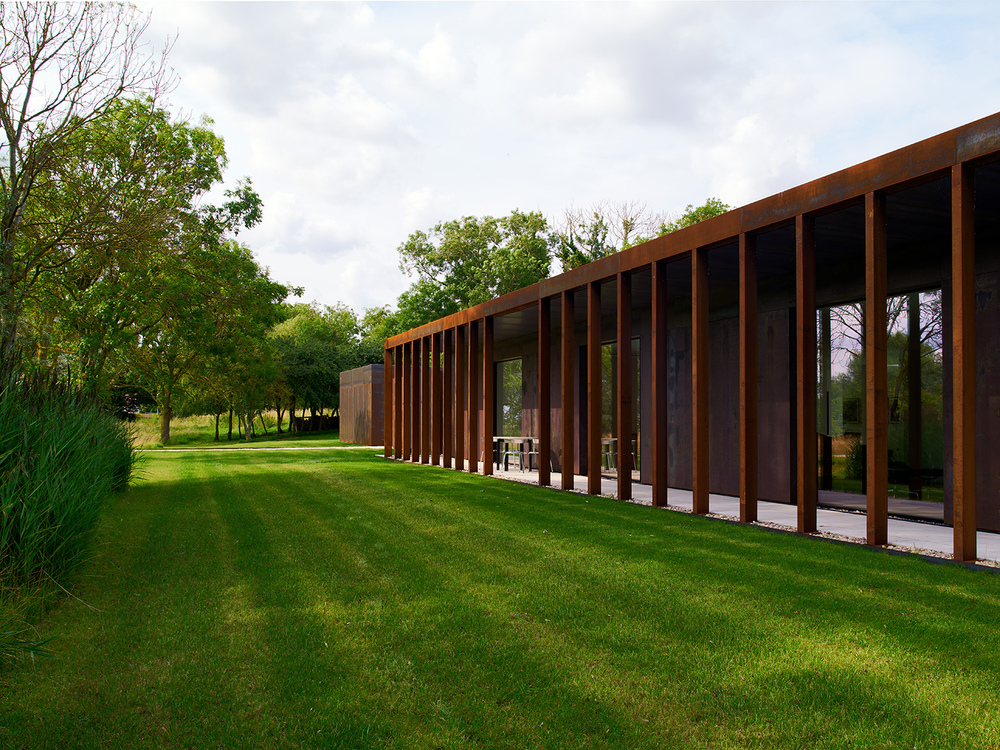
point(361, 405)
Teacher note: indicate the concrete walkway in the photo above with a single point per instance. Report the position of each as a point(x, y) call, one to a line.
point(912, 535)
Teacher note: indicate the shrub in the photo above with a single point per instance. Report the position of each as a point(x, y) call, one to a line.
point(60, 456)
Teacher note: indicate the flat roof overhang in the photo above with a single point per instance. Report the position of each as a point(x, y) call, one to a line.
point(909, 167)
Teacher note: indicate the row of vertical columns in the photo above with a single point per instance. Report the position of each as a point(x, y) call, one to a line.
point(748, 377)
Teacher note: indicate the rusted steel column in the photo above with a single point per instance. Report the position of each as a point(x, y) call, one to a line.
point(659, 389)
point(748, 377)
point(699, 379)
point(963, 361)
point(594, 388)
point(805, 372)
point(567, 391)
point(914, 395)
point(437, 409)
point(624, 394)
point(406, 402)
point(397, 412)
point(489, 396)
point(544, 390)
point(387, 391)
point(473, 412)
point(418, 350)
point(461, 375)
point(425, 402)
point(447, 397)
point(876, 336)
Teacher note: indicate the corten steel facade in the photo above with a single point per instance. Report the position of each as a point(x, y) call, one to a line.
point(731, 319)
point(361, 403)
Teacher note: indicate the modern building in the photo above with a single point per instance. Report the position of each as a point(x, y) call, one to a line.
point(840, 335)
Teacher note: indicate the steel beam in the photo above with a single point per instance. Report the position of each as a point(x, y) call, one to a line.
point(699, 379)
point(805, 373)
point(461, 378)
point(624, 394)
point(544, 391)
point(594, 388)
point(473, 398)
point(748, 377)
point(489, 396)
point(659, 389)
point(568, 482)
point(963, 361)
point(876, 336)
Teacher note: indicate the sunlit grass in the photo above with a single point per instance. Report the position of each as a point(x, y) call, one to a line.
point(335, 600)
point(199, 432)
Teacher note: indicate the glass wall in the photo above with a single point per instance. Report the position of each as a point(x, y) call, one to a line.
point(914, 403)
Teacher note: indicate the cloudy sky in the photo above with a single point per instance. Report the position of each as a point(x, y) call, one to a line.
point(361, 123)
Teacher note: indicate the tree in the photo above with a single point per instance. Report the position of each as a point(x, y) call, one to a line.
point(313, 347)
point(216, 303)
point(62, 66)
point(608, 228)
point(467, 261)
point(138, 177)
point(692, 215)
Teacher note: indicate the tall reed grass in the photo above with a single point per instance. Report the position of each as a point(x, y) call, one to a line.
point(60, 456)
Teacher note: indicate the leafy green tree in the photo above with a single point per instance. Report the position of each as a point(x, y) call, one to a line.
point(693, 215)
point(467, 261)
point(313, 347)
point(62, 66)
point(215, 303)
point(139, 179)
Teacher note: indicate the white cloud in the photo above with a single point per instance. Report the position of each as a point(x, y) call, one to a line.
point(360, 123)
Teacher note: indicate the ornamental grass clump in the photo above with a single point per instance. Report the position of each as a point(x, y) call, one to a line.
point(60, 456)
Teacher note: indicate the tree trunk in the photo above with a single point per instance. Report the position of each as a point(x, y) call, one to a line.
point(166, 414)
point(217, 415)
point(262, 425)
point(280, 414)
point(230, 424)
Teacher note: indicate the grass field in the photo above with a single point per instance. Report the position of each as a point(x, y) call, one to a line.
point(331, 599)
point(199, 432)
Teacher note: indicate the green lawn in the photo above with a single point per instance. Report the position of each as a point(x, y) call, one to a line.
point(199, 432)
point(331, 599)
